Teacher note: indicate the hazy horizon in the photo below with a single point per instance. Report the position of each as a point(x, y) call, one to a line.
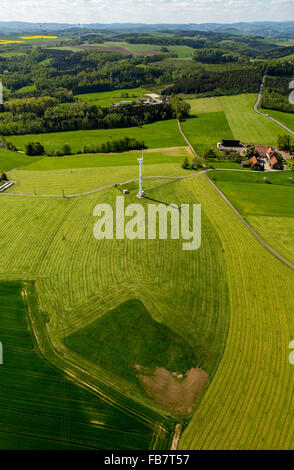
point(146, 11)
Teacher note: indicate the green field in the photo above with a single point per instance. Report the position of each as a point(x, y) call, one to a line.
point(41, 407)
point(106, 98)
point(249, 403)
point(205, 130)
point(225, 165)
point(157, 135)
point(125, 336)
point(182, 52)
point(79, 174)
point(269, 208)
point(237, 336)
point(154, 156)
point(284, 118)
point(228, 117)
point(105, 274)
point(10, 160)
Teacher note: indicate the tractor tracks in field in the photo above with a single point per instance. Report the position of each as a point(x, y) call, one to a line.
point(258, 237)
point(268, 247)
point(159, 422)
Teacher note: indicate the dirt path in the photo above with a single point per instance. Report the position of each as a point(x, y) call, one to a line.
point(102, 188)
point(290, 265)
point(188, 142)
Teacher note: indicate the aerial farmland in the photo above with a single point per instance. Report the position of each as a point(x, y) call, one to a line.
point(122, 333)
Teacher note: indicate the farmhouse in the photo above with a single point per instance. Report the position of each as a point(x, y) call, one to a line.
point(257, 164)
point(275, 164)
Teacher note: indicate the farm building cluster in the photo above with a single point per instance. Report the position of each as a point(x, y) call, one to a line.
point(266, 158)
point(258, 158)
point(150, 101)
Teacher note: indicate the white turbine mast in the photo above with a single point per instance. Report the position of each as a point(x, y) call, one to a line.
point(141, 161)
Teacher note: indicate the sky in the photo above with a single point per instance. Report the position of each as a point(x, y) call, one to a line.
point(146, 11)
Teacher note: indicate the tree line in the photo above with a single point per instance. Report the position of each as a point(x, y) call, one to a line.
point(112, 146)
point(42, 115)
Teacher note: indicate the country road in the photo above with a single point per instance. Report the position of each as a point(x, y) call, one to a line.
point(290, 265)
point(265, 115)
point(204, 172)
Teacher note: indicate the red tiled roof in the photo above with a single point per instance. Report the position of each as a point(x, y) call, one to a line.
point(262, 150)
point(274, 160)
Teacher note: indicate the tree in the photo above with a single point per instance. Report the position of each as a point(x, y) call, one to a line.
point(194, 164)
point(66, 149)
point(251, 152)
point(181, 108)
point(285, 142)
point(186, 164)
point(34, 149)
point(4, 177)
point(209, 153)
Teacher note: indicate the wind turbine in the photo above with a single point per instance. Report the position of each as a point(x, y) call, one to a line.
point(141, 161)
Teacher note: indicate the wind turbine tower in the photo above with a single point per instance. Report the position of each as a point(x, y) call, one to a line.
point(141, 192)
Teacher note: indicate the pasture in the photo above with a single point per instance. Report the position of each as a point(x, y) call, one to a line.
point(104, 99)
point(205, 130)
point(160, 134)
point(10, 160)
point(269, 208)
point(183, 52)
point(230, 117)
point(152, 156)
point(285, 118)
point(82, 173)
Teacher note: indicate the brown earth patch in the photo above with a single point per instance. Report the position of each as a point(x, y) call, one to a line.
point(120, 49)
point(173, 391)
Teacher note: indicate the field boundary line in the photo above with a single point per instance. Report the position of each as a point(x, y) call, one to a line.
point(107, 391)
point(259, 238)
point(113, 185)
point(188, 142)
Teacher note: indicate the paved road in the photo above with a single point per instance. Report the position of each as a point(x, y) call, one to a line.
point(264, 115)
point(290, 265)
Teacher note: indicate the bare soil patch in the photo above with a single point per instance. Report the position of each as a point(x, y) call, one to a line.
point(120, 49)
point(173, 391)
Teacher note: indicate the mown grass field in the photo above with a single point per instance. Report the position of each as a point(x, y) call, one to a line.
point(41, 408)
point(249, 403)
point(152, 156)
point(201, 296)
point(79, 279)
point(79, 174)
point(269, 208)
point(227, 117)
point(106, 98)
point(161, 134)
